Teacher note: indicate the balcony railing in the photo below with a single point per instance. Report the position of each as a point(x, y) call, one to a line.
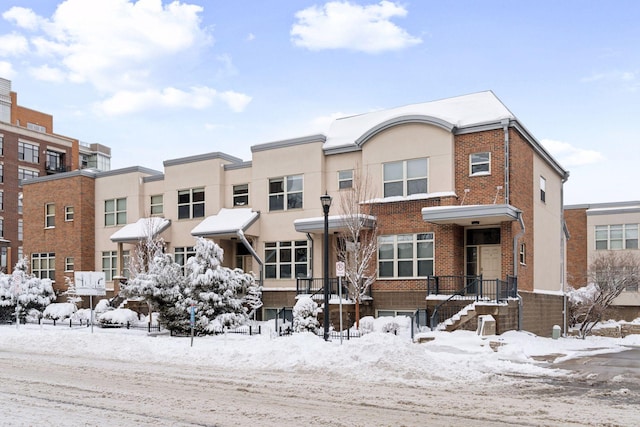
point(56, 168)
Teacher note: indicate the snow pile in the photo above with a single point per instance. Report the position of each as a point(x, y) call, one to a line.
point(59, 311)
point(119, 317)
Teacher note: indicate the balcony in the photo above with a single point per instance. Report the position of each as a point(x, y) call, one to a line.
point(52, 168)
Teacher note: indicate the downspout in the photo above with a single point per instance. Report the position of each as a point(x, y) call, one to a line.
point(515, 264)
point(310, 274)
point(505, 127)
point(254, 254)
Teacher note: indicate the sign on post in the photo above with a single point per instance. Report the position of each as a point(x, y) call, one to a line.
point(340, 272)
point(90, 283)
point(340, 269)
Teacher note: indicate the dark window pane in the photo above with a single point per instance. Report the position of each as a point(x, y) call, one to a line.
point(270, 271)
point(385, 269)
point(276, 186)
point(183, 212)
point(393, 189)
point(198, 210)
point(416, 186)
point(301, 255)
point(276, 203)
point(301, 270)
point(294, 201)
point(425, 268)
point(405, 268)
point(184, 197)
point(270, 255)
point(285, 255)
point(285, 271)
point(198, 195)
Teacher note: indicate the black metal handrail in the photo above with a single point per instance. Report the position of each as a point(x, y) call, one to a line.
point(315, 286)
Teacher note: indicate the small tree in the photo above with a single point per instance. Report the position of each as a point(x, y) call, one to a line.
point(305, 315)
point(253, 298)
point(72, 296)
point(609, 274)
point(358, 243)
point(24, 292)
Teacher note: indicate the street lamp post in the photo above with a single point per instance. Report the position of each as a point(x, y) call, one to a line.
point(326, 204)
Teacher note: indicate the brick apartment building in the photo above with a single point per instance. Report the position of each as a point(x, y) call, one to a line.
point(465, 200)
point(29, 148)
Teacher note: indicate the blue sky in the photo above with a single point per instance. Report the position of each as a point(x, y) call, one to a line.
point(158, 80)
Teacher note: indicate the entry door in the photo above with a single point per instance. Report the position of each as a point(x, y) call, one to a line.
point(490, 262)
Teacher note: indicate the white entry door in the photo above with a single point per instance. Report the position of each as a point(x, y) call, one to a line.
point(490, 262)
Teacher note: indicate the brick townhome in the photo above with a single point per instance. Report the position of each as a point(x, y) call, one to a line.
point(465, 197)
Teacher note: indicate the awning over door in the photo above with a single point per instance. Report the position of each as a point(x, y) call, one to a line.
point(470, 214)
point(226, 223)
point(140, 230)
point(336, 223)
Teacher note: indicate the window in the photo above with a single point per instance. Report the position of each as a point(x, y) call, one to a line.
point(543, 189)
point(480, 164)
point(28, 152)
point(49, 215)
point(115, 212)
point(191, 203)
point(20, 203)
point(157, 205)
point(345, 179)
point(126, 258)
point(181, 255)
point(523, 254)
point(55, 161)
point(405, 255)
point(287, 188)
point(20, 229)
point(1, 227)
point(2, 172)
point(109, 264)
point(286, 260)
point(43, 265)
point(241, 195)
point(36, 127)
point(68, 263)
point(405, 178)
point(68, 213)
point(1, 145)
point(2, 202)
point(615, 237)
point(24, 174)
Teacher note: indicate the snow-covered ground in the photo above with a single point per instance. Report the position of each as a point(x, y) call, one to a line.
point(460, 361)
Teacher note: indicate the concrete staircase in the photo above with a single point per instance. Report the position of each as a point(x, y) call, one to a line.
point(462, 318)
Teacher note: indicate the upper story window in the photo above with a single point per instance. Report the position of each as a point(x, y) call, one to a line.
point(49, 215)
point(43, 265)
point(68, 264)
point(28, 152)
point(191, 203)
point(287, 188)
point(36, 127)
point(109, 264)
point(2, 201)
point(20, 203)
point(523, 254)
point(157, 204)
point(543, 189)
point(115, 211)
point(20, 229)
point(405, 255)
point(24, 174)
point(345, 179)
point(1, 172)
point(68, 213)
point(241, 195)
point(1, 227)
point(618, 236)
point(1, 145)
point(286, 260)
point(480, 163)
point(55, 161)
point(405, 178)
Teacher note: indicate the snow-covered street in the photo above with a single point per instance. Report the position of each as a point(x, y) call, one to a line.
point(61, 376)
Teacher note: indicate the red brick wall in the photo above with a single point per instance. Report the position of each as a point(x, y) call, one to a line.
point(68, 238)
point(577, 262)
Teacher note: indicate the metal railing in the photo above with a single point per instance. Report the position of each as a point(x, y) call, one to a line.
point(314, 286)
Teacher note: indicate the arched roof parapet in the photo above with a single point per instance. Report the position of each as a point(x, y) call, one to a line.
point(400, 120)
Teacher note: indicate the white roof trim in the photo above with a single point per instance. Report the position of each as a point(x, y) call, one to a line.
point(336, 222)
point(227, 222)
point(467, 215)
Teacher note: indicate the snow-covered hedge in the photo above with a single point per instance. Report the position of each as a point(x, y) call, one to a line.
point(385, 324)
point(118, 317)
point(59, 311)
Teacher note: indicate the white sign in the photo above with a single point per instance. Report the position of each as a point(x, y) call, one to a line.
point(90, 282)
point(340, 269)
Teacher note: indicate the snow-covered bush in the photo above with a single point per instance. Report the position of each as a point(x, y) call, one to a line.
point(367, 324)
point(102, 306)
point(384, 324)
point(118, 317)
point(305, 315)
point(59, 310)
point(24, 291)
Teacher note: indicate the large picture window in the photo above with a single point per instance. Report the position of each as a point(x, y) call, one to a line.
point(405, 255)
point(191, 203)
point(115, 212)
point(618, 236)
point(286, 260)
point(285, 193)
point(43, 265)
point(28, 152)
point(405, 178)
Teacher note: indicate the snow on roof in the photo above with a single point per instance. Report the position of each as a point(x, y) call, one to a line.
point(227, 221)
point(460, 111)
point(140, 229)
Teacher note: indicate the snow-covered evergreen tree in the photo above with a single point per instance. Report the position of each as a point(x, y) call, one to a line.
point(214, 290)
point(253, 298)
point(24, 292)
point(305, 315)
point(164, 287)
point(72, 296)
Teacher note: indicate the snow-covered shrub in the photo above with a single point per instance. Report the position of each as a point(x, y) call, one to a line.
point(82, 315)
point(59, 310)
point(305, 315)
point(118, 317)
point(102, 306)
point(367, 324)
point(384, 324)
point(24, 291)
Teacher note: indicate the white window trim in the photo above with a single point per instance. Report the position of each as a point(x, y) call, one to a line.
point(608, 239)
point(66, 213)
point(115, 212)
point(155, 205)
point(405, 179)
point(341, 180)
point(285, 192)
point(472, 164)
point(48, 215)
point(235, 195)
point(414, 260)
point(191, 203)
point(288, 244)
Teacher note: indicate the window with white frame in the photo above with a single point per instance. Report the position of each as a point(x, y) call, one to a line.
point(285, 193)
point(49, 215)
point(115, 212)
point(523, 254)
point(182, 254)
point(191, 203)
point(20, 229)
point(20, 252)
point(109, 264)
point(157, 204)
point(286, 260)
point(24, 174)
point(480, 163)
point(126, 259)
point(241, 195)
point(617, 236)
point(1, 145)
point(2, 202)
point(28, 152)
point(1, 227)
point(345, 179)
point(20, 203)
point(1, 172)
point(68, 264)
point(43, 265)
point(68, 213)
point(543, 189)
point(405, 255)
point(405, 178)
point(36, 127)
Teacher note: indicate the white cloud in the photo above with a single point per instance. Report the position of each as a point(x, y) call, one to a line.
point(47, 74)
point(13, 44)
point(570, 156)
point(6, 70)
point(250, 37)
point(23, 17)
point(198, 98)
point(344, 25)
